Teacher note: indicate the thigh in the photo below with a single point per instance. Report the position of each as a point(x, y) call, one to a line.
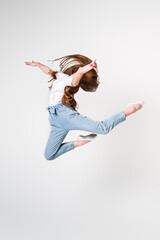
point(77, 121)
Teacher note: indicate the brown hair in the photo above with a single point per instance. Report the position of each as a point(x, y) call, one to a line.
point(89, 81)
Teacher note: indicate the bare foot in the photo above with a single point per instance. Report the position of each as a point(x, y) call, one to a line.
point(78, 143)
point(132, 108)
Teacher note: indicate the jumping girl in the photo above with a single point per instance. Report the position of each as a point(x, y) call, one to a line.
point(76, 71)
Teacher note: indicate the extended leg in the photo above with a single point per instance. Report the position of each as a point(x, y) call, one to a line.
point(79, 122)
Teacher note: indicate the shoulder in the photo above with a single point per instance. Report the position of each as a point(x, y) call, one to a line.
point(67, 79)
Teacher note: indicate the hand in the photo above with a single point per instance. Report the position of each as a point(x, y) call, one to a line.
point(33, 64)
point(94, 65)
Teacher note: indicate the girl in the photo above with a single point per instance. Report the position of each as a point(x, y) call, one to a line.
point(76, 71)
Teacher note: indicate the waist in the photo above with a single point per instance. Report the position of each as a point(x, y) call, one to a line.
point(52, 108)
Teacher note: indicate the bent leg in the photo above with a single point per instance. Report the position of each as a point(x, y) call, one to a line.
point(77, 121)
point(55, 147)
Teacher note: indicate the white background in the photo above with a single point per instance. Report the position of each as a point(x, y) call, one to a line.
point(106, 189)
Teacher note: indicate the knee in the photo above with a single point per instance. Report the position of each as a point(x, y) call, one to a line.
point(102, 128)
point(48, 156)
point(104, 131)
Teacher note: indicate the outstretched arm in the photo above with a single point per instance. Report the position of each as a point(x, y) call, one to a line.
point(44, 68)
point(82, 70)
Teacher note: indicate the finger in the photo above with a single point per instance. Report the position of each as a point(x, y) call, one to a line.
point(95, 64)
point(96, 69)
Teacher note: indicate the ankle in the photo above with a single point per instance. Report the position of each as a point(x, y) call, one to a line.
point(126, 113)
point(75, 143)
